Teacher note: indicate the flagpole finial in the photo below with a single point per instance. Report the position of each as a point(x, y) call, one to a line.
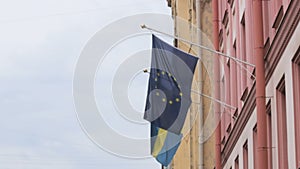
point(143, 26)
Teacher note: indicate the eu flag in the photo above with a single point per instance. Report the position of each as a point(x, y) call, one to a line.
point(170, 80)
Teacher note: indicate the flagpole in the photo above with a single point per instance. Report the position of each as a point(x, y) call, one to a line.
point(200, 46)
point(213, 99)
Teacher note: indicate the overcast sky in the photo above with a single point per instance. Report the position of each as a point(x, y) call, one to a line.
point(40, 41)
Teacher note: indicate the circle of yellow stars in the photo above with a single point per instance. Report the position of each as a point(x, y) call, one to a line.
point(177, 99)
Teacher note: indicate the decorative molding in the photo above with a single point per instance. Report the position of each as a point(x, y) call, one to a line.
point(240, 124)
point(282, 37)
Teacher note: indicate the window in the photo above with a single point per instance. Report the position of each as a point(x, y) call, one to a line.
point(277, 12)
point(269, 134)
point(281, 125)
point(230, 2)
point(227, 113)
point(245, 155)
point(296, 91)
point(236, 163)
point(234, 87)
point(243, 73)
point(223, 115)
point(255, 147)
point(278, 4)
point(266, 27)
point(225, 21)
point(278, 18)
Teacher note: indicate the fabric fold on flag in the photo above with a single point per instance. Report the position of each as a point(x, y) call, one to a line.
point(164, 144)
point(169, 87)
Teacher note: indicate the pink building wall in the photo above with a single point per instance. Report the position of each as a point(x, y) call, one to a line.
point(239, 42)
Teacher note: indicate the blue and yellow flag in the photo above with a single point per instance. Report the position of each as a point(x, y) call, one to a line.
point(164, 144)
point(169, 87)
point(168, 98)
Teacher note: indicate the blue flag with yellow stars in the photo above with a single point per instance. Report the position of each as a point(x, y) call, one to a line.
point(169, 87)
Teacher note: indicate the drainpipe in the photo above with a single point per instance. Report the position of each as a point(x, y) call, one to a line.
point(217, 83)
point(262, 153)
point(200, 138)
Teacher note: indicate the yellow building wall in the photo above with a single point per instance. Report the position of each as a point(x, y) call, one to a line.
point(187, 156)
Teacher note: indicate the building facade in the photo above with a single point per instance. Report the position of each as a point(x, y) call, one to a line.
point(192, 152)
point(264, 129)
